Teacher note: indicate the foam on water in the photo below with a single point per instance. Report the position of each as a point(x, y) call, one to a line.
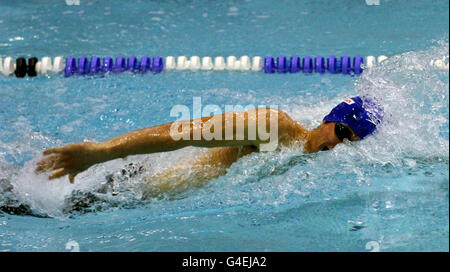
point(413, 136)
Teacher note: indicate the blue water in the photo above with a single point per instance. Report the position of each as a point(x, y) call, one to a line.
point(391, 189)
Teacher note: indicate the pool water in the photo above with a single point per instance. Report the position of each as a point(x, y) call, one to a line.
point(390, 190)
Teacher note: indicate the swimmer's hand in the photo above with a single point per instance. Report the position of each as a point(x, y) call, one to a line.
point(70, 159)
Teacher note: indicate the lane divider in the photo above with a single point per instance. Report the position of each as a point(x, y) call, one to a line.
point(71, 66)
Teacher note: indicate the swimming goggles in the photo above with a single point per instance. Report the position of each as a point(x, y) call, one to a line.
point(342, 132)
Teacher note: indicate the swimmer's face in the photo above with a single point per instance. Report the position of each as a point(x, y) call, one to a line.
point(327, 136)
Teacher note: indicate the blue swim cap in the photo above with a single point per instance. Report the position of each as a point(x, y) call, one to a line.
point(362, 115)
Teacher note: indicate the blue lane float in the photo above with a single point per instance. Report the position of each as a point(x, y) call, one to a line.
point(269, 65)
point(307, 65)
point(158, 65)
point(131, 64)
point(95, 66)
point(120, 65)
point(295, 64)
point(346, 65)
point(331, 64)
point(82, 65)
point(281, 64)
point(71, 67)
point(319, 65)
point(107, 65)
point(357, 63)
point(144, 65)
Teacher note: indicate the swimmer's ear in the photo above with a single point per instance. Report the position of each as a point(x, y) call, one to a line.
point(355, 137)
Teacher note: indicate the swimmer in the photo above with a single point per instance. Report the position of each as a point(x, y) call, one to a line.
point(353, 119)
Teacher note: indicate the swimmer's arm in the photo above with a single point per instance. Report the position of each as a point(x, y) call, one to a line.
point(160, 138)
point(75, 158)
